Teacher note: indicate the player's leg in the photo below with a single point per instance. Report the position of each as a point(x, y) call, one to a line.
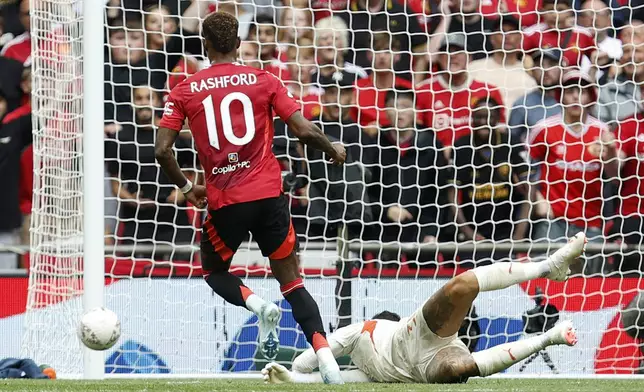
point(276, 237)
point(445, 310)
point(455, 365)
point(220, 239)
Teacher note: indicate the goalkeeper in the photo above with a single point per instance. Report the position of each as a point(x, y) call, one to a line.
point(424, 348)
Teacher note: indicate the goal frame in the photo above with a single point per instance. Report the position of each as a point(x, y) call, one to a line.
point(93, 174)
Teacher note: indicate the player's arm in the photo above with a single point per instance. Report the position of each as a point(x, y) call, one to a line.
point(196, 194)
point(309, 134)
point(274, 373)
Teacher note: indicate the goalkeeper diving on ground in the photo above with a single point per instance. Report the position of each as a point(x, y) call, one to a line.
point(425, 348)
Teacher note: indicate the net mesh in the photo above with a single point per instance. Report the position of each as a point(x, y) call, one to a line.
point(55, 278)
point(463, 150)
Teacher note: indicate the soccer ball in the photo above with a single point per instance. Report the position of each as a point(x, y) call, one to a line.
point(99, 328)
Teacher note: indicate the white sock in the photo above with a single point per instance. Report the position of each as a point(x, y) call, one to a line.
point(501, 275)
point(326, 359)
point(501, 357)
point(254, 303)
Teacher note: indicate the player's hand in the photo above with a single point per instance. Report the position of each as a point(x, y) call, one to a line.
point(176, 197)
point(197, 196)
point(429, 239)
point(600, 58)
point(274, 373)
point(340, 154)
point(142, 202)
point(398, 214)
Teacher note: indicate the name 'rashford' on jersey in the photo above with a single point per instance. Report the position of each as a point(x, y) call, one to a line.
point(230, 109)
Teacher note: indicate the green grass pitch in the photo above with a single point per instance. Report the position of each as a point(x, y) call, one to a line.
point(177, 385)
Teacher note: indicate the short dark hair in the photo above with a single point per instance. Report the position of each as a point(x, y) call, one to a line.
point(124, 25)
point(384, 40)
point(262, 20)
point(387, 315)
point(485, 101)
point(220, 31)
point(397, 93)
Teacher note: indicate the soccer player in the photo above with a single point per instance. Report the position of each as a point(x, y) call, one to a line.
point(425, 348)
point(230, 109)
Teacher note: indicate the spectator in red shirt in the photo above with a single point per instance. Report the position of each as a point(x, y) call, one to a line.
point(325, 8)
point(630, 136)
point(370, 111)
point(19, 48)
point(576, 152)
point(265, 32)
point(557, 29)
point(301, 64)
point(526, 11)
point(443, 102)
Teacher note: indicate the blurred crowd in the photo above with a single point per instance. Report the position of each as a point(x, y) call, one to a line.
point(464, 120)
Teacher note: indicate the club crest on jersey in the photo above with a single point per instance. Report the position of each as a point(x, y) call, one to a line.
point(233, 157)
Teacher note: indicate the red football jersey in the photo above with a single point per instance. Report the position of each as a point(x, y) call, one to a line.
point(230, 112)
point(279, 69)
point(580, 42)
point(571, 173)
point(447, 111)
point(18, 48)
point(630, 136)
point(524, 10)
point(371, 102)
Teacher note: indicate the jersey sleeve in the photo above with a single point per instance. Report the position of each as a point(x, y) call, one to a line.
point(284, 104)
point(174, 115)
point(626, 134)
point(340, 342)
point(537, 142)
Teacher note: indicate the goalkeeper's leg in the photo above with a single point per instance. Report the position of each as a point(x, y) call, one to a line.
point(453, 365)
point(445, 310)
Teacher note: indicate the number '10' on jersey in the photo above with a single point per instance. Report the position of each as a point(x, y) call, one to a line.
point(229, 108)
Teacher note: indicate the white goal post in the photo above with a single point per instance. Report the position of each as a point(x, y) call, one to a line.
point(107, 230)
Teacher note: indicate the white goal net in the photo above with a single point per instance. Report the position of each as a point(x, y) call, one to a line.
point(476, 132)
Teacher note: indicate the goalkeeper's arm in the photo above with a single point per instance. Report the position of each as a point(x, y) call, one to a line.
point(274, 373)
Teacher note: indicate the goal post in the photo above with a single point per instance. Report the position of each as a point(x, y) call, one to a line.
point(67, 231)
point(93, 173)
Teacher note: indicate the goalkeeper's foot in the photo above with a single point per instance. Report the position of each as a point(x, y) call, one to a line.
point(269, 318)
point(274, 373)
point(563, 333)
point(330, 372)
point(561, 260)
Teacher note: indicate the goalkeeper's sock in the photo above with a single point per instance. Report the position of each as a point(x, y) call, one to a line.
point(501, 357)
point(233, 290)
point(501, 275)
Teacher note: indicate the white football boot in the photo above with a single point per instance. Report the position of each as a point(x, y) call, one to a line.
point(563, 333)
point(560, 261)
point(269, 318)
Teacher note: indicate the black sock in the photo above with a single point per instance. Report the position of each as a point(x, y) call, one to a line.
point(305, 310)
point(229, 287)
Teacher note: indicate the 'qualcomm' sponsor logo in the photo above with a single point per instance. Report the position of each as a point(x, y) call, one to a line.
point(230, 168)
